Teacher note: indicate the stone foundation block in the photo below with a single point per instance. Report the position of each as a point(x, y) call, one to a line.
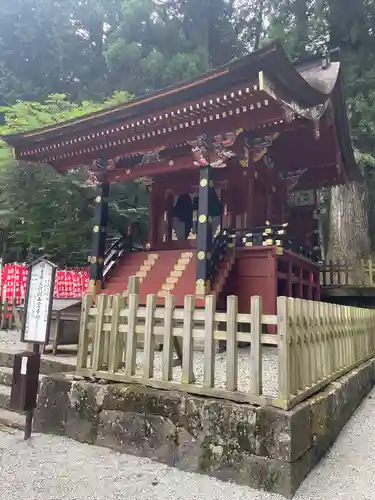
point(265, 448)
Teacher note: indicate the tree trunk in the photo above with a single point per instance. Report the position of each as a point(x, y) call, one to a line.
point(348, 221)
point(300, 10)
point(259, 25)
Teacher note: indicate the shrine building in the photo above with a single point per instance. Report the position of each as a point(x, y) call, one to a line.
point(233, 161)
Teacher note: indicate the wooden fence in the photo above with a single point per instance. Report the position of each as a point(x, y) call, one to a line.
point(318, 343)
point(315, 343)
point(342, 273)
point(10, 316)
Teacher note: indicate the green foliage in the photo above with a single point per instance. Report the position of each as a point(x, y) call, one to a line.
point(158, 43)
point(46, 212)
point(89, 49)
point(29, 115)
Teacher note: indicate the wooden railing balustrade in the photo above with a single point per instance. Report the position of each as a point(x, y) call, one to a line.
point(343, 273)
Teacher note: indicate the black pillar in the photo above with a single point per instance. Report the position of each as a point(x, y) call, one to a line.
point(316, 248)
point(204, 231)
point(99, 233)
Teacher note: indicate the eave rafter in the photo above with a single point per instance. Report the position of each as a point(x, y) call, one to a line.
point(235, 101)
point(247, 116)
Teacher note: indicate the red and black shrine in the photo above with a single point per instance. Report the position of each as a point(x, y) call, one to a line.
point(233, 161)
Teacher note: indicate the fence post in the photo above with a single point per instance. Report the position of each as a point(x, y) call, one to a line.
point(133, 285)
point(331, 273)
point(312, 345)
point(209, 342)
point(83, 341)
point(370, 272)
point(304, 344)
point(149, 342)
point(98, 340)
point(256, 383)
point(4, 315)
point(324, 271)
point(347, 282)
point(346, 319)
point(329, 311)
point(338, 270)
point(232, 345)
point(363, 273)
point(114, 345)
point(131, 341)
point(283, 350)
point(168, 337)
point(187, 346)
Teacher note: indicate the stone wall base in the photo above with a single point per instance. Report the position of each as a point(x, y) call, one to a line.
point(264, 448)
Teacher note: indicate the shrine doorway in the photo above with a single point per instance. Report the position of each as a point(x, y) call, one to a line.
point(184, 215)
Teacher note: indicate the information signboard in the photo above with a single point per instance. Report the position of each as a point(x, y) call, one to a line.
point(302, 198)
point(38, 305)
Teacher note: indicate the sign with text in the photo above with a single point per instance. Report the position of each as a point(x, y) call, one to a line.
point(302, 198)
point(38, 305)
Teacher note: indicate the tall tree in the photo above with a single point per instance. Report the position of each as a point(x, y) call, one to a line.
point(161, 42)
point(210, 27)
point(53, 46)
point(38, 52)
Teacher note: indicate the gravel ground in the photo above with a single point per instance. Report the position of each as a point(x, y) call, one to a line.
point(10, 340)
point(270, 369)
point(54, 468)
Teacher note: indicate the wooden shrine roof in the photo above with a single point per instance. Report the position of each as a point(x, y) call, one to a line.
point(250, 93)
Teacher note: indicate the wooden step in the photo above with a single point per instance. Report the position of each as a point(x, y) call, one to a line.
point(145, 267)
point(167, 287)
point(172, 280)
point(187, 255)
point(12, 419)
point(183, 262)
point(179, 267)
point(4, 396)
point(176, 274)
point(6, 376)
point(141, 274)
point(48, 364)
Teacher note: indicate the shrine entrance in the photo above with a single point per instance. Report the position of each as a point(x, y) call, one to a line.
point(184, 217)
point(176, 226)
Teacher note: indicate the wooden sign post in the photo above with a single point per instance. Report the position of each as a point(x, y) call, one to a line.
point(35, 332)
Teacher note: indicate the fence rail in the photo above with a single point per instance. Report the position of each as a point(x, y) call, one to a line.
point(342, 273)
point(319, 342)
point(113, 326)
point(315, 343)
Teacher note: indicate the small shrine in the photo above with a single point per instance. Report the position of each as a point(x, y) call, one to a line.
point(233, 162)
